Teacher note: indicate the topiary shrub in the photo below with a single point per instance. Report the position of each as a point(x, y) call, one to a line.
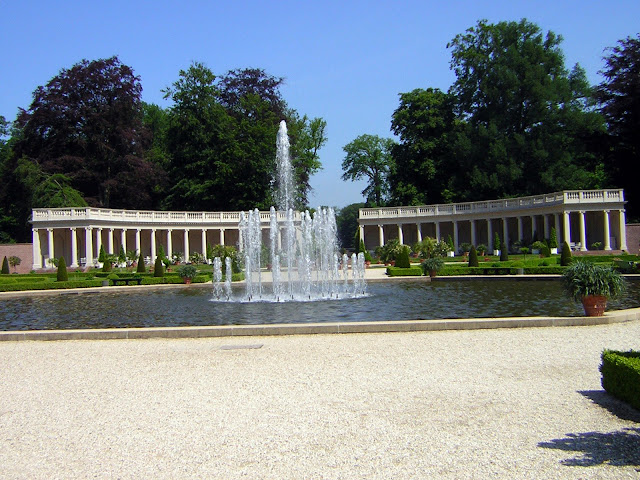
point(621, 375)
point(158, 269)
point(62, 275)
point(504, 254)
point(402, 260)
point(545, 251)
point(5, 265)
point(141, 267)
point(473, 257)
point(565, 256)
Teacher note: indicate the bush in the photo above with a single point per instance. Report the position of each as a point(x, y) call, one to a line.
point(5, 265)
point(473, 257)
point(583, 279)
point(402, 261)
point(545, 251)
point(504, 254)
point(158, 270)
point(141, 267)
point(404, 272)
point(553, 238)
point(621, 375)
point(565, 256)
point(432, 265)
point(62, 275)
point(187, 271)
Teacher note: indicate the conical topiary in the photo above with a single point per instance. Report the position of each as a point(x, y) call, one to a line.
point(473, 257)
point(402, 260)
point(62, 276)
point(141, 268)
point(102, 255)
point(504, 254)
point(158, 269)
point(5, 265)
point(565, 256)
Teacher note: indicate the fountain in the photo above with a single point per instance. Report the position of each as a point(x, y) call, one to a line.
point(303, 253)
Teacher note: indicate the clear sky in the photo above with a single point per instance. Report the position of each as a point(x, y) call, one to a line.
point(345, 61)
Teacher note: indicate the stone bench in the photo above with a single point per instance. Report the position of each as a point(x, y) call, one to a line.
point(126, 281)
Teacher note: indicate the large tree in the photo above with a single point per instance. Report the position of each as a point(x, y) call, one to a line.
point(86, 123)
point(369, 157)
point(619, 97)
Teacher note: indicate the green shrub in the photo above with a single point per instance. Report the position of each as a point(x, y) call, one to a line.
point(584, 278)
point(402, 260)
point(621, 375)
point(187, 271)
point(141, 267)
point(545, 251)
point(152, 281)
point(553, 238)
point(5, 266)
point(496, 242)
point(62, 275)
point(473, 257)
point(158, 269)
point(49, 285)
point(565, 255)
point(404, 272)
point(432, 265)
point(504, 253)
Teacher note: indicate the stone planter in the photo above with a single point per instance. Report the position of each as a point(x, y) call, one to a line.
point(594, 305)
point(554, 251)
point(451, 254)
point(496, 253)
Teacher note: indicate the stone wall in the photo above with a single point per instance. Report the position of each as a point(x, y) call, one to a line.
point(22, 250)
point(633, 237)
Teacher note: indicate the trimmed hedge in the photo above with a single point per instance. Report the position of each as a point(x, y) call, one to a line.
point(50, 285)
point(621, 375)
point(404, 272)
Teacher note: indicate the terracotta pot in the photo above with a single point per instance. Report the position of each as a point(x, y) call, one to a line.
point(187, 281)
point(432, 273)
point(594, 305)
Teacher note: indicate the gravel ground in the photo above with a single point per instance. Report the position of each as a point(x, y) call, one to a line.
point(499, 404)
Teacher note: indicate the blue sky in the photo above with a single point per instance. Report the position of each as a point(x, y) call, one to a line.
point(343, 61)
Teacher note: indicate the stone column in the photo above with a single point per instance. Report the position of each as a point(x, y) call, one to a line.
point(222, 237)
point(490, 236)
point(438, 231)
point(545, 217)
point(186, 244)
point(400, 235)
point(533, 226)
point(110, 241)
point(50, 244)
point(567, 227)
point(98, 241)
point(607, 233)
point(381, 235)
point(153, 245)
point(37, 253)
point(520, 232)
point(556, 219)
point(169, 252)
point(583, 233)
point(455, 236)
point(473, 231)
point(419, 227)
point(204, 242)
point(123, 239)
point(74, 248)
point(505, 234)
point(361, 228)
point(623, 231)
point(88, 245)
point(137, 244)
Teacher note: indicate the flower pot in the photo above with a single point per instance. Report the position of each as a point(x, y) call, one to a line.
point(554, 251)
point(594, 305)
point(433, 273)
point(496, 253)
point(187, 281)
point(367, 264)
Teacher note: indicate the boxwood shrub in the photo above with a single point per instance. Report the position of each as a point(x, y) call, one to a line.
point(404, 272)
point(14, 287)
point(621, 375)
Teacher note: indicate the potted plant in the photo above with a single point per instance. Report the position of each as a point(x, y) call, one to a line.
point(431, 266)
point(537, 246)
point(553, 242)
point(592, 284)
point(481, 249)
point(496, 245)
point(187, 272)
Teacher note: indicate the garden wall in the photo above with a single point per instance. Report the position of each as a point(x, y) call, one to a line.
point(22, 250)
point(633, 237)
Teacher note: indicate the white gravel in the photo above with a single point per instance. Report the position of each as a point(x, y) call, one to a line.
point(487, 404)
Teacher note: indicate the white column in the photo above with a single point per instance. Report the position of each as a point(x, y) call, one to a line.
point(169, 252)
point(110, 241)
point(361, 228)
point(98, 241)
point(138, 251)
point(546, 225)
point(74, 248)
point(490, 236)
point(567, 227)
point(520, 235)
point(88, 245)
point(438, 231)
point(623, 231)
point(400, 235)
point(204, 242)
point(473, 232)
point(607, 233)
point(583, 232)
point(37, 253)
point(556, 219)
point(419, 227)
point(186, 245)
point(455, 236)
point(123, 240)
point(50, 243)
point(222, 237)
point(505, 234)
point(381, 235)
point(533, 226)
point(153, 245)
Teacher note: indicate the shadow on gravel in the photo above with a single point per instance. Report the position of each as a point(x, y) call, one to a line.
point(617, 407)
point(620, 448)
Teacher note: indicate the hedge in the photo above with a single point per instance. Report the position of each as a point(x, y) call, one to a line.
point(50, 285)
point(404, 272)
point(621, 375)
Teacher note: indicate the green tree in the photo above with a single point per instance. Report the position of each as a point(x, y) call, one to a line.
point(141, 266)
point(565, 255)
point(369, 157)
point(504, 252)
point(62, 275)
point(5, 266)
point(347, 224)
point(473, 257)
point(14, 262)
point(158, 270)
point(122, 256)
point(619, 98)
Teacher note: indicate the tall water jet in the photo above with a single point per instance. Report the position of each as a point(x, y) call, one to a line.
point(285, 183)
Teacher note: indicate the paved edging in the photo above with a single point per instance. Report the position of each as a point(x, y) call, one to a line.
point(320, 328)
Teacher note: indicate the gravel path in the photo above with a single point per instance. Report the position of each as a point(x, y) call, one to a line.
point(489, 404)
